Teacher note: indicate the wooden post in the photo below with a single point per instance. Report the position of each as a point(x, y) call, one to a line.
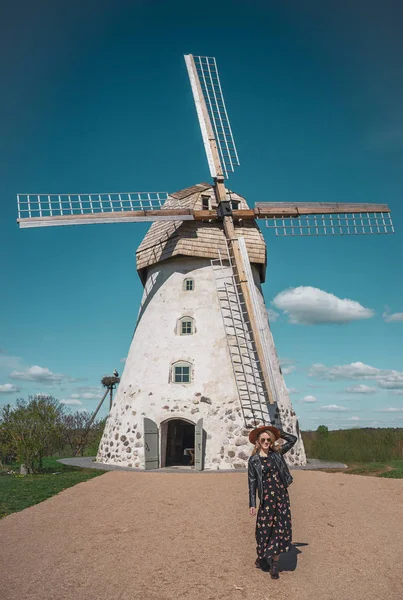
point(97, 409)
point(243, 282)
point(90, 422)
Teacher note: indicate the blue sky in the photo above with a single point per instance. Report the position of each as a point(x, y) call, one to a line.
point(95, 97)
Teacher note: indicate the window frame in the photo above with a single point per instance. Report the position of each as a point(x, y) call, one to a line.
point(181, 321)
point(181, 364)
point(206, 200)
point(185, 281)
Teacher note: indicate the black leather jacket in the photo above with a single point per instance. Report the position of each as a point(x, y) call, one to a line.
point(255, 479)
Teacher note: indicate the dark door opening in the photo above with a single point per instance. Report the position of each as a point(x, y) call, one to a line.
point(180, 443)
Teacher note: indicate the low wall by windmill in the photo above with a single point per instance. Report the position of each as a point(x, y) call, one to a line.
point(147, 387)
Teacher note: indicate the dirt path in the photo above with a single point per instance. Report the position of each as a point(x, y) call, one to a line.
point(142, 536)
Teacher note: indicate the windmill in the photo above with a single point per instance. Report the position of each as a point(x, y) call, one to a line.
point(202, 366)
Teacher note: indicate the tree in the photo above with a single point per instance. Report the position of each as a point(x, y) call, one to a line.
point(7, 446)
point(32, 429)
point(323, 431)
point(79, 431)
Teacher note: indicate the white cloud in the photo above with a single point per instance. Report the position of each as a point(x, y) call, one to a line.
point(361, 389)
point(37, 373)
point(333, 407)
point(391, 317)
point(273, 315)
point(307, 305)
point(71, 402)
point(287, 366)
point(87, 393)
point(309, 398)
point(391, 409)
point(396, 392)
point(75, 379)
point(288, 370)
point(356, 370)
point(353, 419)
point(90, 389)
point(392, 381)
point(292, 390)
point(123, 360)
point(75, 398)
point(385, 378)
point(8, 388)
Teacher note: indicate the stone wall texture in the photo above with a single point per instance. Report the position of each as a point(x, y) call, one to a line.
point(146, 388)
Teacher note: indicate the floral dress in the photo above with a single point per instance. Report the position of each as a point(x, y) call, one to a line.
point(273, 522)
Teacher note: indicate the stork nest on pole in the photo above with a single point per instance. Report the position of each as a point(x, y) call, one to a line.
point(110, 381)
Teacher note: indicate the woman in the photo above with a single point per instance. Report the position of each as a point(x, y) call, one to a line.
point(269, 474)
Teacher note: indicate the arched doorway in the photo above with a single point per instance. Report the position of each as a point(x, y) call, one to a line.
point(177, 443)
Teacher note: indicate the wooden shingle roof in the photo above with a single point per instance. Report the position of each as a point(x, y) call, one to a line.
point(166, 239)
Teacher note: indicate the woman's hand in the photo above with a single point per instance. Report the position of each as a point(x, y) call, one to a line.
point(252, 511)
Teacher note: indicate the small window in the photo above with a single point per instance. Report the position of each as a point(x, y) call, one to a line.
point(181, 372)
point(189, 285)
point(206, 202)
point(186, 326)
point(235, 205)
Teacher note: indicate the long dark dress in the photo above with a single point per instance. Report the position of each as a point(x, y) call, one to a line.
point(273, 522)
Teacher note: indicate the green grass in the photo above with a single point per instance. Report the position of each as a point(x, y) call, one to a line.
point(397, 470)
point(366, 451)
point(18, 492)
point(351, 446)
point(392, 469)
point(371, 468)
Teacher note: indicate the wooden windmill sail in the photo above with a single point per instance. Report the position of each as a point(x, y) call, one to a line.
point(202, 367)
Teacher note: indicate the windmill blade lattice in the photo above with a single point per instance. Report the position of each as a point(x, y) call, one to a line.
point(56, 205)
point(207, 71)
point(46, 210)
point(332, 224)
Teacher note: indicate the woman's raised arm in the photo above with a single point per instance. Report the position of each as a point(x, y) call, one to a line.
point(289, 441)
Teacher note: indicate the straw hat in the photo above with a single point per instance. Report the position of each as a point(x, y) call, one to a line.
point(256, 432)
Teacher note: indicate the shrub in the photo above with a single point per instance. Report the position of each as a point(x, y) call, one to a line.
point(355, 445)
point(32, 429)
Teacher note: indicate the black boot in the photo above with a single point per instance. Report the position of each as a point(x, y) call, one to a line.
point(274, 570)
point(262, 564)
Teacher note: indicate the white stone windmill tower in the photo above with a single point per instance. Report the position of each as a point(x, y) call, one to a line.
point(202, 366)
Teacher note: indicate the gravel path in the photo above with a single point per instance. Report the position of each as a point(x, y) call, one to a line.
point(154, 536)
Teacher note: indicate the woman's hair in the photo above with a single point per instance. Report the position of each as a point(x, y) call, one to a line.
point(274, 446)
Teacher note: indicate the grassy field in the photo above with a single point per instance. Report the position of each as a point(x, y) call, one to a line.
point(392, 469)
point(18, 492)
point(366, 451)
point(355, 445)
